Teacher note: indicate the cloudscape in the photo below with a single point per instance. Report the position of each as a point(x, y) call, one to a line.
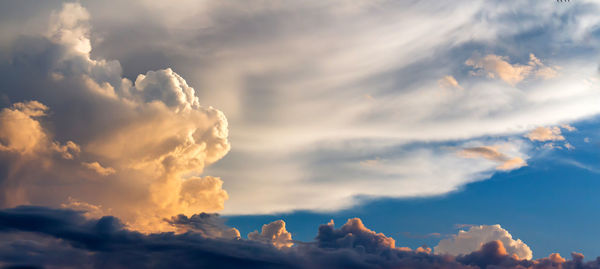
point(299, 134)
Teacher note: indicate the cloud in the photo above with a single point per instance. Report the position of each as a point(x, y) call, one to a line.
point(207, 225)
point(237, 58)
point(545, 134)
point(96, 167)
point(477, 236)
point(46, 238)
point(146, 141)
point(492, 153)
point(353, 234)
point(273, 233)
point(497, 66)
point(449, 82)
point(20, 131)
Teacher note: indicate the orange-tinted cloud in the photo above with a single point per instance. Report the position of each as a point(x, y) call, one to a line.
point(273, 233)
point(131, 149)
point(492, 153)
point(497, 66)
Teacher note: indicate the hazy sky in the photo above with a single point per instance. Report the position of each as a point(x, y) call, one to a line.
point(441, 123)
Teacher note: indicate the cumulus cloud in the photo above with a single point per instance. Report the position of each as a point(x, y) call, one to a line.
point(353, 234)
point(145, 141)
point(41, 237)
point(477, 236)
point(491, 153)
point(273, 233)
point(20, 131)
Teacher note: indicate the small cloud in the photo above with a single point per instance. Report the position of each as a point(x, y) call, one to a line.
point(273, 233)
point(569, 146)
point(568, 127)
point(586, 140)
point(498, 66)
point(96, 167)
point(90, 210)
point(68, 150)
point(449, 82)
point(545, 134)
point(551, 135)
point(491, 153)
point(511, 164)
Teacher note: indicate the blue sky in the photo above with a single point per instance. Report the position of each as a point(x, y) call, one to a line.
point(549, 204)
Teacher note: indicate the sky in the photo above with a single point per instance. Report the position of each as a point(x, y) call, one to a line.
point(308, 134)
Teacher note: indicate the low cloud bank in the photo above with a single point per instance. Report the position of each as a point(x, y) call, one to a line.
point(40, 237)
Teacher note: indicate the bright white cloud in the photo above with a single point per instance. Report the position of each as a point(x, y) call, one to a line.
point(466, 242)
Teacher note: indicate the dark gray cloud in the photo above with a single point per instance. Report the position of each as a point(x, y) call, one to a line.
point(39, 237)
point(208, 225)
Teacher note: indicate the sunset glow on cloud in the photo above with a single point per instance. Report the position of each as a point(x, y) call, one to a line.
point(129, 133)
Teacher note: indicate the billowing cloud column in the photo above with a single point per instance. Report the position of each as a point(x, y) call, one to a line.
point(80, 135)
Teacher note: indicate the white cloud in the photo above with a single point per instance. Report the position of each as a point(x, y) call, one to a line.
point(466, 242)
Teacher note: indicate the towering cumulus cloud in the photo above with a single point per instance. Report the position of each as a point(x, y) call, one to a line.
point(78, 133)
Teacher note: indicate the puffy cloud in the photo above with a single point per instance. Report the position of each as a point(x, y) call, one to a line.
point(144, 142)
point(168, 87)
point(492, 153)
point(497, 66)
point(545, 134)
point(353, 234)
point(273, 233)
point(19, 130)
point(477, 236)
point(70, 27)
